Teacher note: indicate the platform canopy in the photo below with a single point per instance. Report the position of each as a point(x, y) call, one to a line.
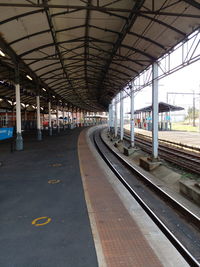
point(85, 51)
point(162, 107)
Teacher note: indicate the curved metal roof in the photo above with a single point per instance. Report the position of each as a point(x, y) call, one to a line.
point(85, 51)
point(162, 107)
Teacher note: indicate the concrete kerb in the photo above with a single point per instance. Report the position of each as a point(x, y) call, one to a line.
point(149, 164)
point(190, 189)
point(130, 150)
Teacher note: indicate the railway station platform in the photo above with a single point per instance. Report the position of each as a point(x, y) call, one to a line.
point(185, 138)
point(61, 206)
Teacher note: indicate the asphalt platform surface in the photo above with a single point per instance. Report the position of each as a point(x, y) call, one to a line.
point(63, 237)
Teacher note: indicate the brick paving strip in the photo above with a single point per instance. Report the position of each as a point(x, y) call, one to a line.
point(122, 242)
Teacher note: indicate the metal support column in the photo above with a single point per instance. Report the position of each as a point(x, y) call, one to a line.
point(72, 121)
point(19, 139)
point(109, 117)
point(6, 121)
point(68, 118)
point(155, 110)
point(25, 117)
point(57, 119)
point(81, 120)
point(84, 118)
point(77, 123)
point(112, 117)
point(63, 113)
point(121, 116)
point(50, 127)
point(39, 133)
point(115, 116)
point(132, 123)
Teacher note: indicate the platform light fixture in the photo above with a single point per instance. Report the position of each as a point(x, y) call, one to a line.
point(2, 53)
point(29, 77)
point(53, 96)
point(44, 89)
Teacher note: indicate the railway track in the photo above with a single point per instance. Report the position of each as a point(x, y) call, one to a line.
point(180, 226)
point(172, 152)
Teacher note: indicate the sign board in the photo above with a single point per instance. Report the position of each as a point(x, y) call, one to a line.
point(6, 133)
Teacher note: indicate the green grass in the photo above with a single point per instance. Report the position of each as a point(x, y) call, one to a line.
point(181, 126)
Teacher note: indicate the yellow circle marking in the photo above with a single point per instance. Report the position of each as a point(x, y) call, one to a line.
point(53, 181)
point(56, 164)
point(35, 222)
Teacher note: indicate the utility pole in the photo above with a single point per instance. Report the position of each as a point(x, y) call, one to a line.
point(193, 105)
point(193, 110)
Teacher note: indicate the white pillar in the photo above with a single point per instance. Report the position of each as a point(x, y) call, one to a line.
point(6, 118)
point(155, 116)
point(115, 116)
point(68, 119)
point(18, 108)
point(77, 122)
point(112, 117)
point(109, 117)
point(57, 119)
point(132, 123)
point(19, 139)
point(72, 122)
point(80, 117)
point(39, 133)
point(25, 117)
point(121, 116)
point(63, 113)
point(84, 123)
point(50, 128)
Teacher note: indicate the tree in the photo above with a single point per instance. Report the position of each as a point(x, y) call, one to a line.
point(190, 114)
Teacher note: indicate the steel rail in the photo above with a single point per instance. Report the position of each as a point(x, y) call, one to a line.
point(171, 149)
point(180, 145)
point(176, 205)
point(185, 159)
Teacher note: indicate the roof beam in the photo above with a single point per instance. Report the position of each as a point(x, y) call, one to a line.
point(21, 15)
point(79, 39)
point(77, 7)
point(45, 31)
point(193, 3)
point(127, 26)
point(54, 56)
point(103, 9)
point(137, 62)
point(117, 45)
point(164, 24)
point(131, 33)
point(51, 26)
point(90, 7)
